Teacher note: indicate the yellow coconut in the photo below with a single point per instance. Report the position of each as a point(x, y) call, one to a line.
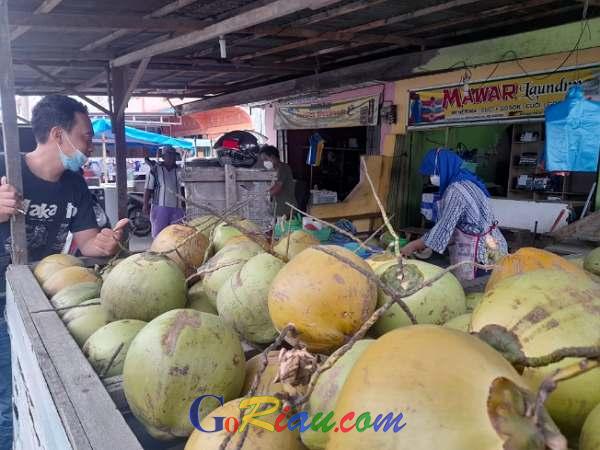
point(325, 299)
point(256, 439)
point(460, 323)
point(68, 277)
point(52, 264)
point(298, 241)
point(188, 255)
point(446, 389)
point(527, 259)
point(548, 310)
point(267, 385)
point(590, 433)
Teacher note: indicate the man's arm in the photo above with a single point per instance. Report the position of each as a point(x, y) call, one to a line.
point(99, 243)
point(276, 189)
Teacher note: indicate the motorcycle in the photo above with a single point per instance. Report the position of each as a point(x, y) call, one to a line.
point(238, 148)
point(138, 221)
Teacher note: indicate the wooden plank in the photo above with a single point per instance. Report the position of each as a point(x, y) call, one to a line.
point(118, 79)
point(230, 186)
point(10, 133)
point(39, 424)
point(46, 7)
point(54, 22)
point(103, 425)
point(272, 11)
point(217, 174)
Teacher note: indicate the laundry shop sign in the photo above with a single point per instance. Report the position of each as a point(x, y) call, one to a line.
point(509, 98)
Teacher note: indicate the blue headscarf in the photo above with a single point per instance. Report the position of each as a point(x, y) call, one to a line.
point(449, 168)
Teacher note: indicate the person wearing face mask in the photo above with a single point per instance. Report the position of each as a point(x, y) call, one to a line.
point(466, 223)
point(162, 186)
point(55, 201)
point(282, 191)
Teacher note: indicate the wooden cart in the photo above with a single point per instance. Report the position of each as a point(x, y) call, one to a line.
point(224, 188)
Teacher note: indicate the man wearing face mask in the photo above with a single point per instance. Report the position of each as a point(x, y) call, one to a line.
point(466, 223)
point(282, 191)
point(55, 201)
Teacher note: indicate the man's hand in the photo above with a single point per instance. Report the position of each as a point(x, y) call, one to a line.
point(412, 247)
point(105, 242)
point(10, 200)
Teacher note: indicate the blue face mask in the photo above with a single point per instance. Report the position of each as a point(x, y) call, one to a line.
point(73, 162)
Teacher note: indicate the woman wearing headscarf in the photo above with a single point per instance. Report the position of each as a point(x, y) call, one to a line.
point(466, 223)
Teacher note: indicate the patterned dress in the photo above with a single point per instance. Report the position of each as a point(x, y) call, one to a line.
point(464, 206)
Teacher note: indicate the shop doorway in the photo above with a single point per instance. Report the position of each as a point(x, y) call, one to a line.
point(339, 170)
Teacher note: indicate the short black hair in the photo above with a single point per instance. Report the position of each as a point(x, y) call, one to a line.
point(269, 150)
point(54, 110)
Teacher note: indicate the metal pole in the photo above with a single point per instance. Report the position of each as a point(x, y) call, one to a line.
point(10, 133)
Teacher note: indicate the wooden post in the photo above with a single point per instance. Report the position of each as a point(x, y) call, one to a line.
point(10, 133)
point(230, 186)
point(119, 86)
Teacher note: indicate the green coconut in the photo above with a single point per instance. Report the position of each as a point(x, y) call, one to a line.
point(106, 269)
point(198, 300)
point(298, 240)
point(224, 264)
point(142, 287)
point(205, 224)
point(224, 232)
point(111, 341)
point(590, 433)
point(435, 304)
point(591, 262)
point(473, 299)
point(173, 360)
point(242, 300)
point(547, 310)
point(75, 295)
point(327, 390)
point(460, 323)
point(83, 321)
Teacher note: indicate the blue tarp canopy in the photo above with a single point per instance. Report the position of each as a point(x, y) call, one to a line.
point(103, 127)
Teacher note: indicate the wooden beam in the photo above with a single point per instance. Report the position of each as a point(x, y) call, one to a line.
point(52, 54)
point(161, 12)
point(274, 10)
point(411, 15)
point(100, 22)
point(46, 7)
point(119, 89)
point(98, 78)
point(10, 135)
point(137, 77)
point(70, 89)
point(490, 51)
point(482, 14)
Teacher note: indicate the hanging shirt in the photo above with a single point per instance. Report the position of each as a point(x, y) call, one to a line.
point(464, 206)
point(165, 184)
point(52, 210)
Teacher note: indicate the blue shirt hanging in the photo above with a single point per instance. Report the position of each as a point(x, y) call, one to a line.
point(573, 134)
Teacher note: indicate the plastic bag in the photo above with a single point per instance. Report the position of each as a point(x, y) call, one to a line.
point(572, 134)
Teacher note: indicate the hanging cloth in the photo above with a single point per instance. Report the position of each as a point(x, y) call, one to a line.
point(572, 134)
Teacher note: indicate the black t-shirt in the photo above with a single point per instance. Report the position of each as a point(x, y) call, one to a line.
point(52, 210)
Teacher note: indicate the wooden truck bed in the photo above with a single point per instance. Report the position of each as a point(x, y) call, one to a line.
point(60, 403)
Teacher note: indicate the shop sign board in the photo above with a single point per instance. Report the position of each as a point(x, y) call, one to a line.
point(505, 99)
point(363, 111)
